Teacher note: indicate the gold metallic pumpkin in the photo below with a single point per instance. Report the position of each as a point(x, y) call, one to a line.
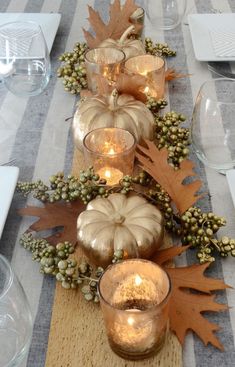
point(122, 111)
point(130, 47)
point(119, 222)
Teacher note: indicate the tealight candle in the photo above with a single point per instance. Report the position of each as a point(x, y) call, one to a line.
point(104, 61)
point(134, 297)
point(153, 68)
point(111, 152)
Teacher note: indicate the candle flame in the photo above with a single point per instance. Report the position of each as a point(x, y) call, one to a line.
point(146, 90)
point(111, 151)
point(138, 280)
point(107, 174)
point(130, 321)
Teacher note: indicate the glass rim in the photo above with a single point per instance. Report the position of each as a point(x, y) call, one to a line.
point(144, 56)
point(39, 29)
point(10, 280)
point(103, 48)
point(213, 81)
point(152, 308)
point(142, 12)
point(105, 154)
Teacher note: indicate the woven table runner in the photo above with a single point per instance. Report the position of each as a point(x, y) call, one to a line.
point(77, 336)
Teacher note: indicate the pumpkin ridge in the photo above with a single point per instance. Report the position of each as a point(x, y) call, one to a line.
point(133, 125)
point(134, 209)
point(137, 225)
point(134, 243)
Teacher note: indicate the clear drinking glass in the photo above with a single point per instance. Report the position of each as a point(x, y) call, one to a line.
point(213, 125)
point(15, 318)
point(134, 298)
point(165, 14)
point(24, 58)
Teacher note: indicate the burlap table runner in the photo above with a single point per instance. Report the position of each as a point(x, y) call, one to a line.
point(77, 336)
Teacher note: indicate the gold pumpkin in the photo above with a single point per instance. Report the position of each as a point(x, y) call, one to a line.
point(122, 111)
point(119, 222)
point(130, 47)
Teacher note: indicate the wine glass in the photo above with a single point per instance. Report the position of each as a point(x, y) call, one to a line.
point(213, 124)
point(167, 14)
point(15, 318)
point(24, 58)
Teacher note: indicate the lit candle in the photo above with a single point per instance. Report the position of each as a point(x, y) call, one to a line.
point(153, 68)
point(111, 152)
point(135, 299)
point(110, 174)
point(104, 61)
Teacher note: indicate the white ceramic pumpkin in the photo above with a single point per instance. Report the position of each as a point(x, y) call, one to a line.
point(130, 47)
point(119, 222)
point(122, 111)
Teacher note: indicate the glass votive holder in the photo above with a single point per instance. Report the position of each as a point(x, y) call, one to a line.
point(105, 61)
point(111, 152)
point(134, 297)
point(153, 68)
point(137, 18)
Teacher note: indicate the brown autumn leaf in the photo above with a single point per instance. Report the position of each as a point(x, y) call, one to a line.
point(186, 307)
point(154, 162)
point(131, 84)
point(119, 21)
point(171, 74)
point(56, 215)
point(125, 84)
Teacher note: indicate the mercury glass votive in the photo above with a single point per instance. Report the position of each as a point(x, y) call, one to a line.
point(134, 298)
point(111, 152)
point(153, 68)
point(105, 61)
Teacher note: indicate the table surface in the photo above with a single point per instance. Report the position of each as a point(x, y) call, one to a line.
point(41, 143)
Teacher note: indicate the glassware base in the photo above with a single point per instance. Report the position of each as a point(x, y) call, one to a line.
point(135, 356)
point(221, 168)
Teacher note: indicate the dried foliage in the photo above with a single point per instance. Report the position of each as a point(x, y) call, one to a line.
point(154, 162)
point(171, 74)
point(119, 21)
point(186, 307)
point(56, 215)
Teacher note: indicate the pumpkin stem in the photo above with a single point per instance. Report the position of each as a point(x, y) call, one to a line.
point(126, 34)
point(113, 100)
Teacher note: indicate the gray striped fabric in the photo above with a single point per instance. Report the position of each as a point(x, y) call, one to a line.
point(41, 143)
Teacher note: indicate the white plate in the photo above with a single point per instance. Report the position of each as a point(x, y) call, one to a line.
point(231, 182)
point(213, 36)
point(8, 180)
point(48, 22)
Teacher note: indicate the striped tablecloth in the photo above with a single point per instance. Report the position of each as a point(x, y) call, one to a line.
point(40, 141)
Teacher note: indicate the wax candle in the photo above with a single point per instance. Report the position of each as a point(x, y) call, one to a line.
point(134, 298)
point(153, 68)
point(111, 152)
point(105, 61)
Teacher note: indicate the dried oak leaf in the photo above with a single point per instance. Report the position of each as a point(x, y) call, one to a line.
point(131, 84)
point(154, 162)
point(56, 215)
point(125, 84)
point(119, 21)
point(186, 307)
point(171, 74)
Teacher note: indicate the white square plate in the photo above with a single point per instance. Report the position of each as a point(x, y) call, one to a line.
point(8, 180)
point(213, 36)
point(48, 22)
point(231, 182)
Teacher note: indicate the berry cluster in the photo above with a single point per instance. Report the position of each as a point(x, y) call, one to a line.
point(170, 135)
point(54, 260)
